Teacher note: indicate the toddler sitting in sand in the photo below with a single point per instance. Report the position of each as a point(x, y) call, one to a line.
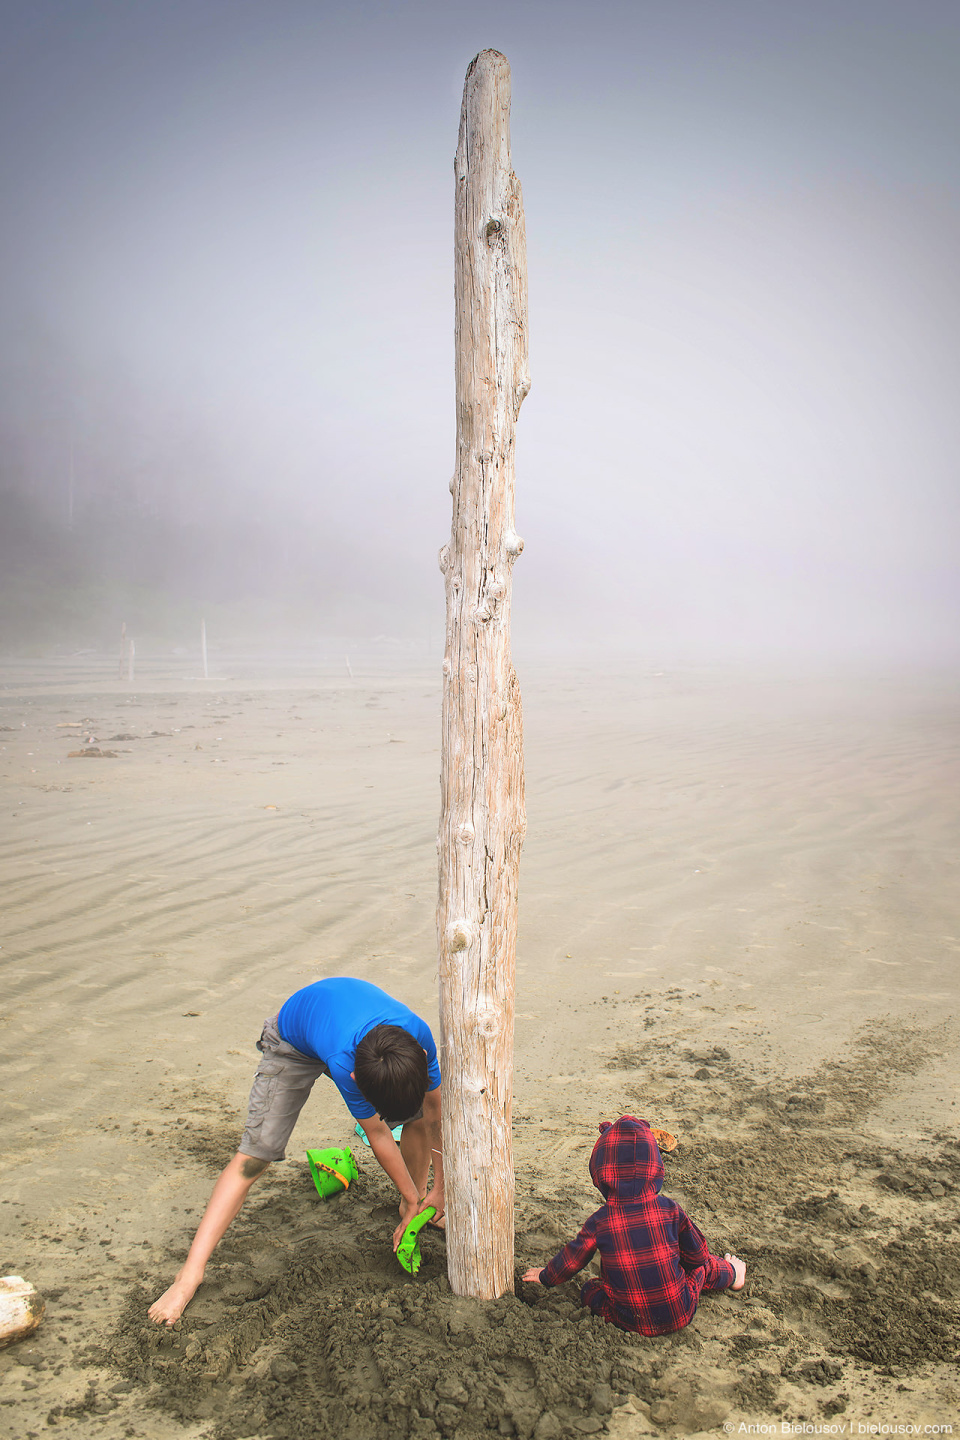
point(654, 1262)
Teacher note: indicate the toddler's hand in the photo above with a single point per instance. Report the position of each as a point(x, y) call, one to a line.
point(533, 1275)
point(739, 1270)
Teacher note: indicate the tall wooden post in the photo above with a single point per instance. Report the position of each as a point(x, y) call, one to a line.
point(482, 819)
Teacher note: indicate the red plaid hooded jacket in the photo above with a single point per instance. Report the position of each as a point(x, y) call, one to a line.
point(654, 1262)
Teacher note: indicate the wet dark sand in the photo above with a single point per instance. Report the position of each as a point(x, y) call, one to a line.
point(738, 919)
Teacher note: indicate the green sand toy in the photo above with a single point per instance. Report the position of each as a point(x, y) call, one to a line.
point(332, 1170)
point(408, 1251)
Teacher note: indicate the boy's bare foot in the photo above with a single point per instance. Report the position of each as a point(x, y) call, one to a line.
point(739, 1271)
point(172, 1303)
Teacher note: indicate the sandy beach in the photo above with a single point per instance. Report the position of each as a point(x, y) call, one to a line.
point(739, 920)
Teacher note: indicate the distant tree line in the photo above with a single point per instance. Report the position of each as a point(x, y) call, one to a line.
point(117, 505)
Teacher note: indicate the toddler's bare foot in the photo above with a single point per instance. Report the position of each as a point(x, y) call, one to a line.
point(172, 1303)
point(739, 1271)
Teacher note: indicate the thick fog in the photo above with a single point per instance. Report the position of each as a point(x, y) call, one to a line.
point(226, 328)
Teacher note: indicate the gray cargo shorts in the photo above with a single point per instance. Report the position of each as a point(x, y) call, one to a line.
point(281, 1087)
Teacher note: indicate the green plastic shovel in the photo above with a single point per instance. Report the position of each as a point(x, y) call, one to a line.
point(408, 1251)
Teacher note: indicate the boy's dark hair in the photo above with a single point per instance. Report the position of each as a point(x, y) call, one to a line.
point(390, 1069)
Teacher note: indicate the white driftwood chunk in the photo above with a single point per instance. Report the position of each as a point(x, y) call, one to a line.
point(21, 1308)
point(482, 818)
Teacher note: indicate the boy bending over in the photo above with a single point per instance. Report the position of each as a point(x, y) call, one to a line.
point(654, 1262)
point(382, 1059)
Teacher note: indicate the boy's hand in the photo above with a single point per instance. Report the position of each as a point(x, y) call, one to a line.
point(408, 1208)
point(533, 1275)
point(436, 1199)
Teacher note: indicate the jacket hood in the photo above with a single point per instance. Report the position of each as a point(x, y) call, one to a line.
point(626, 1163)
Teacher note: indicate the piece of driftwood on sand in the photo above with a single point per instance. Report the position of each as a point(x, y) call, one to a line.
point(482, 818)
point(21, 1308)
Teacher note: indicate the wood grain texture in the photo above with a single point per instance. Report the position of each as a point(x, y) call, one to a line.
point(482, 818)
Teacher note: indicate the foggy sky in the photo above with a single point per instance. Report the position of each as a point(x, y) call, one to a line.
point(226, 252)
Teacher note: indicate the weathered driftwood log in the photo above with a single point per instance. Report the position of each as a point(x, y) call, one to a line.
point(21, 1308)
point(482, 818)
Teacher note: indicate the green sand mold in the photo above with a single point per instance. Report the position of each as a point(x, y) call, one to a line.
point(332, 1170)
point(408, 1251)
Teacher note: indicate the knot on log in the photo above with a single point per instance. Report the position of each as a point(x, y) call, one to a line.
point(447, 666)
point(465, 833)
point(494, 233)
point(458, 935)
point(443, 559)
point(496, 588)
point(488, 1023)
point(512, 544)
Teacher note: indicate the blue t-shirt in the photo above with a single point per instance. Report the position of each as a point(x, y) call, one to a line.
point(329, 1018)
